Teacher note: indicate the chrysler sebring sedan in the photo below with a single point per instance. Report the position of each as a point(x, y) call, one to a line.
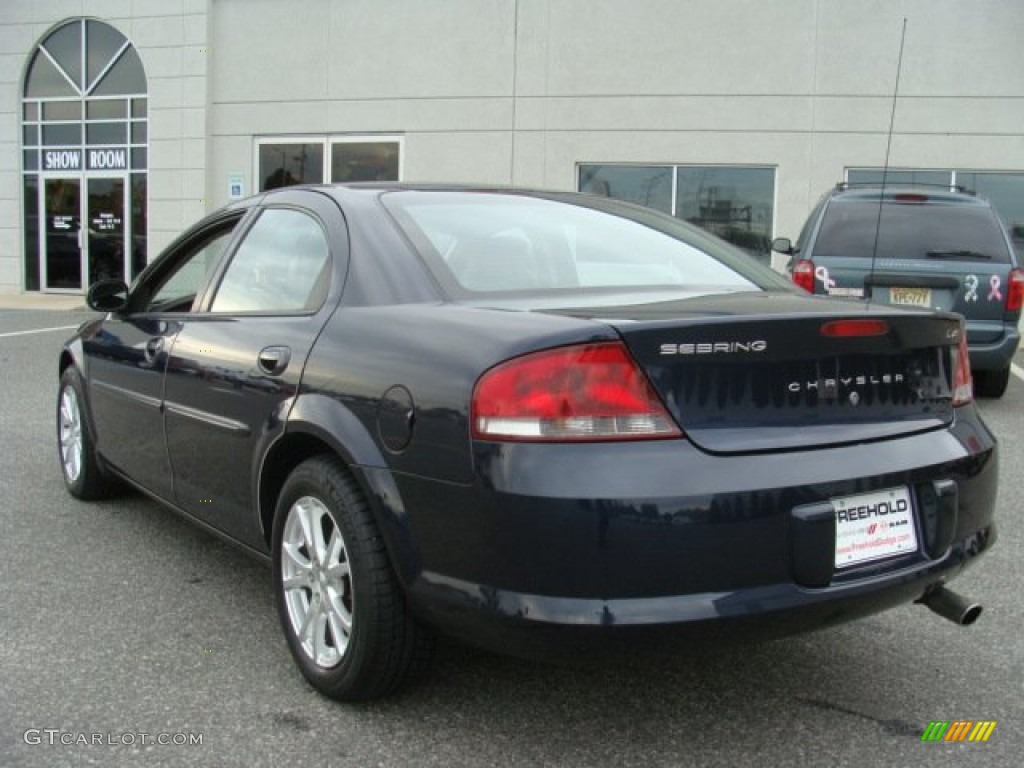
point(546, 423)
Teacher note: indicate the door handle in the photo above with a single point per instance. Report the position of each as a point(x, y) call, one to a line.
point(274, 360)
point(153, 347)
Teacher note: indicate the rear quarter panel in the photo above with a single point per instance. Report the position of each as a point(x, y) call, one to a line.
point(436, 352)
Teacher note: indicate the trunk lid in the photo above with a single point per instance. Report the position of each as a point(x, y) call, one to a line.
point(755, 372)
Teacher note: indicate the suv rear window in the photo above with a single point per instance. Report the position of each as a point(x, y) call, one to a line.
point(911, 231)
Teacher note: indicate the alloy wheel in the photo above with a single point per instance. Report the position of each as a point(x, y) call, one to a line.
point(70, 434)
point(317, 582)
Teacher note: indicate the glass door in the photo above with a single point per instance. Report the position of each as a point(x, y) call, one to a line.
point(62, 234)
point(105, 206)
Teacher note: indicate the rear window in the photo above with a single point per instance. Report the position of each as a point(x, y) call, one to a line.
point(911, 231)
point(482, 242)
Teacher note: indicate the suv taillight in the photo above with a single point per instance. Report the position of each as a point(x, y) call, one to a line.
point(583, 392)
point(963, 384)
point(1015, 290)
point(803, 274)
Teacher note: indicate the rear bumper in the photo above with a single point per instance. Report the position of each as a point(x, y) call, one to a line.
point(567, 629)
point(559, 549)
point(993, 355)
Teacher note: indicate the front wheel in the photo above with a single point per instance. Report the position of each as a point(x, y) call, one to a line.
point(991, 383)
point(343, 612)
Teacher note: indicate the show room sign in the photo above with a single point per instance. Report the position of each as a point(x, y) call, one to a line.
point(95, 159)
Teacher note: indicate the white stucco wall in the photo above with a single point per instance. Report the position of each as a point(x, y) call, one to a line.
point(802, 85)
point(522, 91)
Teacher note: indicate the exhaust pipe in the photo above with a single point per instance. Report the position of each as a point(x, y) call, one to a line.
point(949, 605)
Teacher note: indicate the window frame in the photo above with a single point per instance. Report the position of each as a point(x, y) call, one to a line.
point(326, 142)
point(258, 177)
point(677, 168)
point(159, 272)
point(234, 248)
point(363, 139)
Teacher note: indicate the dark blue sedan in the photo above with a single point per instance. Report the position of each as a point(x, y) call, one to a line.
point(547, 423)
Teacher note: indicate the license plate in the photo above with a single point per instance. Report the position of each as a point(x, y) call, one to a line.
point(914, 297)
point(874, 526)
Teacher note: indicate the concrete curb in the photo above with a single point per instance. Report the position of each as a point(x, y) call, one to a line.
point(51, 301)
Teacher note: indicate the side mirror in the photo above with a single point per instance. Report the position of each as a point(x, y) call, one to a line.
point(107, 296)
point(783, 245)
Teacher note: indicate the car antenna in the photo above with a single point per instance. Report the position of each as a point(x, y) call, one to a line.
point(885, 170)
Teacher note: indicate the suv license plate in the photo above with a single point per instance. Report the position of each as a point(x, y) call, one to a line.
point(873, 526)
point(914, 297)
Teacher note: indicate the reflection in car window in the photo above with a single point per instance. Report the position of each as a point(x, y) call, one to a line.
point(179, 288)
point(282, 265)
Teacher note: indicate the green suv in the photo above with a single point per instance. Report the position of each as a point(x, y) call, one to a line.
point(938, 248)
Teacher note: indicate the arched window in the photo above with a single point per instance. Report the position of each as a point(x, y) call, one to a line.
point(85, 137)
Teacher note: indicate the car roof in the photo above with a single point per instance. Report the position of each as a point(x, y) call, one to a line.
point(368, 188)
point(896, 193)
point(365, 190)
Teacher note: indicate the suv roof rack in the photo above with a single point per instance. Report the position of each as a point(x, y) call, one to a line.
point(843, 185)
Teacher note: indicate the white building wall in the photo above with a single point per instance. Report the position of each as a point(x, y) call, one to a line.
point(803, 85)
point(20, 29)
point(172, 37)
point(440, 73)
point(522, 91)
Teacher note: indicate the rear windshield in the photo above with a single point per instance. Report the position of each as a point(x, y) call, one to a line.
point(911, 231)
point(495, 243)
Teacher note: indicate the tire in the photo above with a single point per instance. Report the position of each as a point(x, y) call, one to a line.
point(991, 383)
point(83, 476)
point(342, 610)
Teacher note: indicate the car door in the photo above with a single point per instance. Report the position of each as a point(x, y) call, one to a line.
point(127, 357)
point(235, 367)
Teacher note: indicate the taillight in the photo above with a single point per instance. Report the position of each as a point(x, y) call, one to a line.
point(584, 392)
point(1015, 290)
point(963, 384)
point(803, 274)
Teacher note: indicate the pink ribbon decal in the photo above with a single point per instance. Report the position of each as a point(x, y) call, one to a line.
point(994, 294)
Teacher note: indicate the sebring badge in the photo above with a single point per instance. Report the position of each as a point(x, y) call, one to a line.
point(714, 347)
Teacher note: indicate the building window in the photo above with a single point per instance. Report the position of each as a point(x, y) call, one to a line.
point(84, 147)
point(649, 185)
point(1004, 189)
point(736, 203)
point(281, 162)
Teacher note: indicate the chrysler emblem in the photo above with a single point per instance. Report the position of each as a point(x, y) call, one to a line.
point(854, 398)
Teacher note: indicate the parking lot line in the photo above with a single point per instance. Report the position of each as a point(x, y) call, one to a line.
point(38, 330)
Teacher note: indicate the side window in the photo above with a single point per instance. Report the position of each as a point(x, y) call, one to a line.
point(805, 232)
point(178, 288)
point(281, 266)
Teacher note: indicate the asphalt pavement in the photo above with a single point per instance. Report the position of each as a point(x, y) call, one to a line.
point(122, 626)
